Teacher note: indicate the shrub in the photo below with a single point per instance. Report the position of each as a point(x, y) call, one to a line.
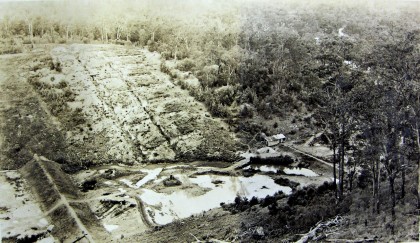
point(62, 41)
point(298, 198)
point(62, 84)
point(268, 200)
point(246, 112)
point(164, 68)
point(166, 55)
point(56, 66)
point(326, 186)
point(273, 208)
point(238, 200)
point(186, 65)
point(286, 182)
point(89, 185)
point(12, 49)
point(253, 201)
point(279, 160)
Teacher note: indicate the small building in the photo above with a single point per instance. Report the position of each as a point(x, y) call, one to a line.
point(280, 137)
point(274, 140)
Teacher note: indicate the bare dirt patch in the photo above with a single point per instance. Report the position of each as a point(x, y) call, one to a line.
point(20, 215)
point(127, 110)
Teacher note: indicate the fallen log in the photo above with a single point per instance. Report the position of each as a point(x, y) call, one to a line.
point(319, 229)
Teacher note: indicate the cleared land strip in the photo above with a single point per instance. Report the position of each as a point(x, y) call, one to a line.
point(133, 111)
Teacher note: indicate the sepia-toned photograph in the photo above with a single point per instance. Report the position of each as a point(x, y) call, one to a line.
point(209, 121)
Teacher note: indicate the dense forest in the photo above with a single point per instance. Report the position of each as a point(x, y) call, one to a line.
point(354, 68)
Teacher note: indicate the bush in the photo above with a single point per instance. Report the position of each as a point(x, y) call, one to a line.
point(166, 55)
point(89, 185)
point(164, 68)
point(238, 200)
point(268, 200)
point(300, 197)
point(286, 182)
point(246, 111)
point(171, 181)
point(225, 95)
point(12, 49)
point(253, 201)
point(134, 36)
point(56, 66)
point(273, 208)
point(325, 187)
point(186, 65)
point(279, 160)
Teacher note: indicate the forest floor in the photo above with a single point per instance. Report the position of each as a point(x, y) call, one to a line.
point(118, 124)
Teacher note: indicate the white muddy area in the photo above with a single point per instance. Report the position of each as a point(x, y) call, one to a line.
point(264, 168)
point(20, 215)
point(150, 175)
point(288, 171)
point(111, 227)
point(164, 208)
point(300, 171)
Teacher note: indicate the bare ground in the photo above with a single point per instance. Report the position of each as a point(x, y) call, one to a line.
point(133, 110)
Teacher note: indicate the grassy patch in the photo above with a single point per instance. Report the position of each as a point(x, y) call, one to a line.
point(65, 226)
point(61, 179)
point(87, 217)
point(27, 132)
point(40, 184)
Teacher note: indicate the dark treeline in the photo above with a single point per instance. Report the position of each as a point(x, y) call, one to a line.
point(354, 66)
